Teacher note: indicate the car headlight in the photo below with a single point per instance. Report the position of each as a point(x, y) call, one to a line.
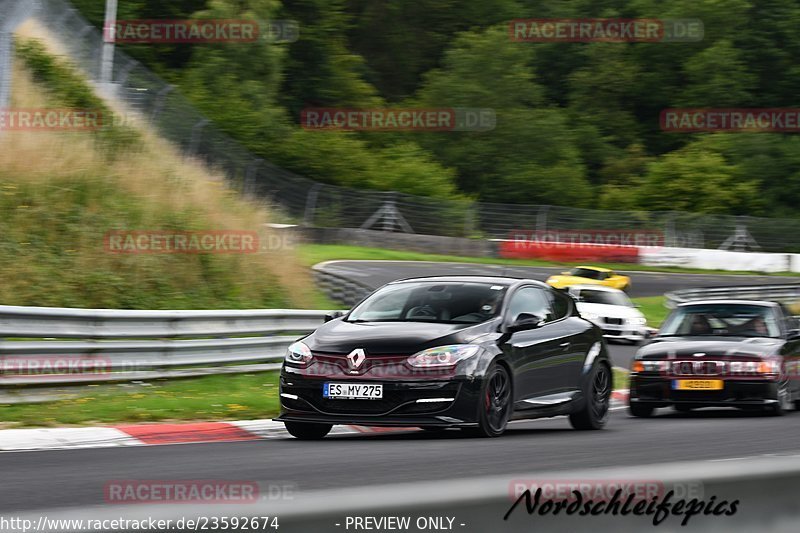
point(443, 356)
point(590, 316)
point(649, 366)
point(637, 321)
point(298, 353)
point(755, 367)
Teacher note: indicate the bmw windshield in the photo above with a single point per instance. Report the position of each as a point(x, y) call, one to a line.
point(725, 320)
point(447, 303)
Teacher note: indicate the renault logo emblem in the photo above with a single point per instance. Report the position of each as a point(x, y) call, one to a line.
point(356, 358)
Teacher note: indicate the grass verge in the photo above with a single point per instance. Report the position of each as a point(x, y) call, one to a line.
point(620, 379)
point(226, 397)
point(653, 309)
point(311, 254)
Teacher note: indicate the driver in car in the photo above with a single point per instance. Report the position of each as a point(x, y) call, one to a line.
point(486, 310)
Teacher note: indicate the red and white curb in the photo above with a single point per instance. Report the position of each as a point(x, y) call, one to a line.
point(16, 440)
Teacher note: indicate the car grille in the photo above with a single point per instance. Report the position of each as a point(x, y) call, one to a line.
point(613, 321)
point(697, 368)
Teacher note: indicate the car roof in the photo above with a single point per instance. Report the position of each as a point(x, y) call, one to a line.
point(496, 280)
point(599, 269)
point(586, 287)
point(737, 302)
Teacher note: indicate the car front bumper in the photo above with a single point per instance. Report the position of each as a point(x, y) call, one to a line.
point(629, 332)
point(658, 392)
point(424, 403)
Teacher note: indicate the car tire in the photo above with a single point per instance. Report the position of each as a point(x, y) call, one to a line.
point(494, 404)
point(597, 392)
point(784, 403)
point(307, 430)
point(640, 410)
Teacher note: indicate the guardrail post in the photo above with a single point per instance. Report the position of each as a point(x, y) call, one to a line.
point(197, 132)
point(311, 205)
point(160, 99)
point(541, 218)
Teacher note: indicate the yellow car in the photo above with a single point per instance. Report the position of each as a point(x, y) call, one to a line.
point(588, 275)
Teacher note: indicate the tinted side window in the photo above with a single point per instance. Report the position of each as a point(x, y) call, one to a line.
point(532, 301)
point(562, 306)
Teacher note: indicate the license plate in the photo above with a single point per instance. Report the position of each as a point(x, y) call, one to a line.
point(352, 391)
point(697, 384)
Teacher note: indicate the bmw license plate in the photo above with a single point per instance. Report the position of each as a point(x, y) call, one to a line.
point(697, 384)
point(352, 391)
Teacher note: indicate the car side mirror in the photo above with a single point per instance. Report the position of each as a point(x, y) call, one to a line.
point(526, 321)
point(333, 315)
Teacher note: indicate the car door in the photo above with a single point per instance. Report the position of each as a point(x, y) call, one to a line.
point(791, 351)
point(534, 354)
point(580, 336)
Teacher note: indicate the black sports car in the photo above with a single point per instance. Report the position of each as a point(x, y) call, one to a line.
point(467, 352)
point(736, 353)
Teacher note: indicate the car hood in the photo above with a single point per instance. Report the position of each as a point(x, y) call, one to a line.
point(612, 311)
point(392, 338)
point(680, 347)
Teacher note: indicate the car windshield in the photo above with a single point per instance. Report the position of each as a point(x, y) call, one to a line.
point(727, 320)
point(586, 273)
point(590, 296)
point(442, 302)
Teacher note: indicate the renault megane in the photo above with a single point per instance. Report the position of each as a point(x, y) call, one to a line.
point(465, 352)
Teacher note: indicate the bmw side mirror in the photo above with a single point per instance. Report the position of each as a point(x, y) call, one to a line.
point(526, 321)
point(333, 315)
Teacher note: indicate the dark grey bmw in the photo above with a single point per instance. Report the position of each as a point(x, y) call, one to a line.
point(440, 352)
point(720, 353)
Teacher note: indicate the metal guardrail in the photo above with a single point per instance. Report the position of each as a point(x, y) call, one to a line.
point(123, 345)
point(788, 294)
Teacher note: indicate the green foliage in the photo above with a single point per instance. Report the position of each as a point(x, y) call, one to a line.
point(67, 88)
point(577, 123)
point(52, 235)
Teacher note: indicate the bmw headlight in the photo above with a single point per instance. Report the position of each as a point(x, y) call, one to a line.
point(637, 321)
point(298, 353)
point(590, 316)
point(443, 356)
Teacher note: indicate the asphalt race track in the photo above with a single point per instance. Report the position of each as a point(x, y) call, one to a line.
point(75, 478)
point(376, 273)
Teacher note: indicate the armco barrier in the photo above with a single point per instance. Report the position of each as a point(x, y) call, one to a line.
point(788, 294)
point(765, 489)
point(123, 345)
